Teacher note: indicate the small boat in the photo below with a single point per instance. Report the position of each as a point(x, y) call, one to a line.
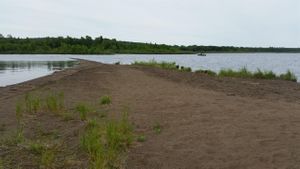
point(201, 54)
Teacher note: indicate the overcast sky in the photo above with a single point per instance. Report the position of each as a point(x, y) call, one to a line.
point(183, 22)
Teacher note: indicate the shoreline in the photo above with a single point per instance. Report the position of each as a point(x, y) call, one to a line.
point(200, 118)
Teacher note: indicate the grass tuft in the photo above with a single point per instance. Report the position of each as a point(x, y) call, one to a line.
point(55, 103)
point(47, 158)
point(141, 138)
point(157, 128)
point(105, 100)
point(36, 148)
point(32, 103)
point(83, 110)
point(106, 142)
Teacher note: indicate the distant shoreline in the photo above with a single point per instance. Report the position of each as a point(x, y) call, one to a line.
point(144, 53)
point(101, 45)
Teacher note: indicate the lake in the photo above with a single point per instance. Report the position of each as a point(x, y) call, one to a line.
point(19, 68)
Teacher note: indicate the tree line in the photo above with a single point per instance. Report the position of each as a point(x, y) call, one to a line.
point(101, 45)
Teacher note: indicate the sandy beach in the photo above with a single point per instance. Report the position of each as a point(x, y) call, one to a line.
point(206, 122)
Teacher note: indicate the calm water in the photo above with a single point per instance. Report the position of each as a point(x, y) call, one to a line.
point(19, 68)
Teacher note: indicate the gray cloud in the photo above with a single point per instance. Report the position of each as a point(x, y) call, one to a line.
point(202, 22)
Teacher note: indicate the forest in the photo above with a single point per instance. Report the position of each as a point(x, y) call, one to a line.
point(101, 45)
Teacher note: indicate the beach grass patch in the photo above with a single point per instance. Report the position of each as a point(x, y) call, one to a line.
point(55, 103)
point(154, 63)
point(106, 142)
point(47, 158)
point(36, 147)
point(289, 76)
point(258, 74)
point(32, 103)
point(83, 110)
point(105, 100)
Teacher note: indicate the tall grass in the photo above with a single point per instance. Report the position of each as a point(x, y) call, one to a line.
point(55, 102)
point(107, 142)
point(32, 103)
point(288, 76)
point(244, 73)
point(163, 65)
point(47, 158)
point(83, 110)
point(20, 125)
point(154, 63)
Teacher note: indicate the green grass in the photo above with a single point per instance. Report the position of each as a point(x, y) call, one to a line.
point(47, 158)
point(106, 142)
point(105, 100)
point(55, 103)
point(288, 76)
point(157, 128)
point(163, 65)
point(244, 73)
point(232, 73)
point(154, 63)
point(19, 113)
point(1, 164)
point(32, 103)
point(141, 138)
point(83, 110)
point(208, 72)
point(36, 148)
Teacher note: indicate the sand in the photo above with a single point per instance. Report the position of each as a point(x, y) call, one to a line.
point(206, 122)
